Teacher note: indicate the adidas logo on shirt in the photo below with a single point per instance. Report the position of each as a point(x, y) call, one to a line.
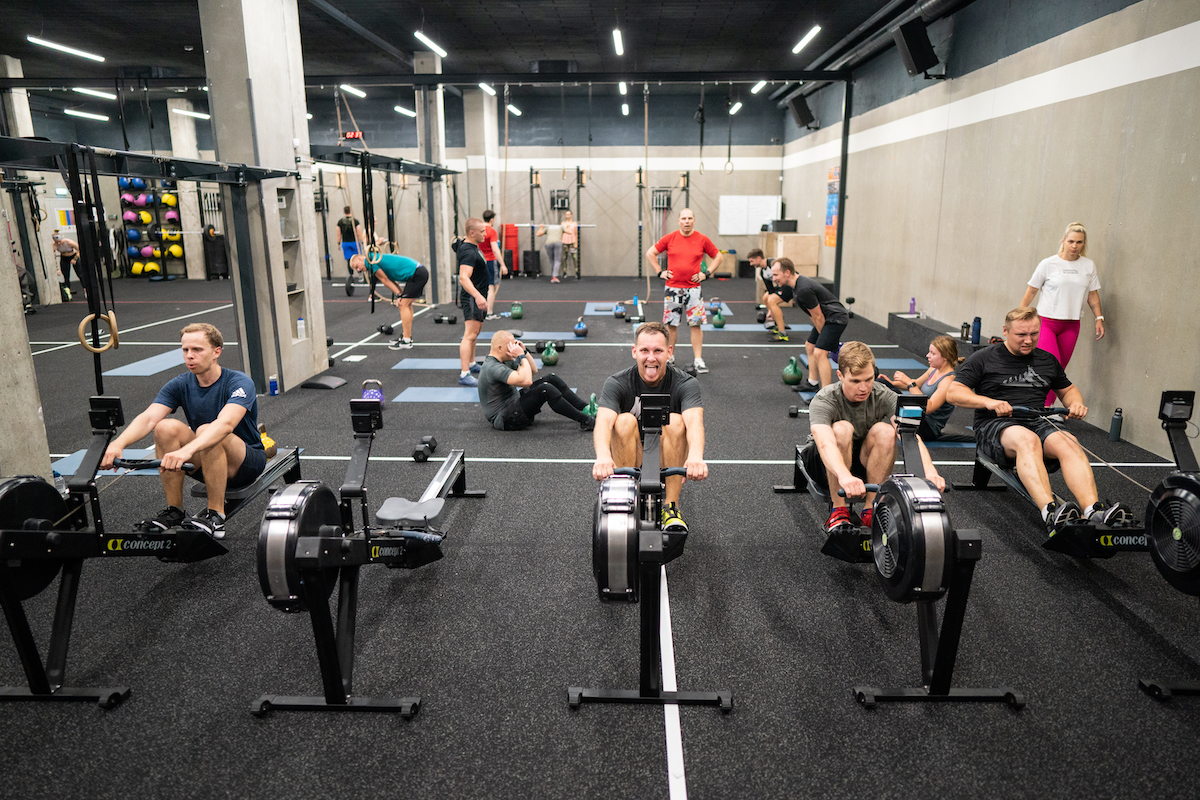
point(238, 392)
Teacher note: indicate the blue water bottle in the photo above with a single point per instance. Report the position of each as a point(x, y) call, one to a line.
point(975, 331)
point(273, 385)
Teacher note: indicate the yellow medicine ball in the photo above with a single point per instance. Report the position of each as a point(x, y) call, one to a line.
point(137, 268)
point(168, 200)
point(172, 236)
point(145, 217)
point(152, 268)
point(175, 251)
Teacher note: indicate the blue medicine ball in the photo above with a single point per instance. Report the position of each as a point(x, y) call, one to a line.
point(133, 234)
point(123, 183)
point(132, 251)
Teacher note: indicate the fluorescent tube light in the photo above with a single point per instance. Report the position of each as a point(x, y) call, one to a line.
point(617, 42)
point(85, 115)
point(513, 109)
point(186, 113)
point(808, 37)
point(94, 93)
point(430, 43)
point(345, 87)
point(64, 48)
point(488, 89)
point(406, 112)
point(758, 87)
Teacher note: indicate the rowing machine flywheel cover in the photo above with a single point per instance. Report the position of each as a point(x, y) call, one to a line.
point(1173, 531)
point(29, 502)
point(298, 510)
point(615, 539)
point(911, 540)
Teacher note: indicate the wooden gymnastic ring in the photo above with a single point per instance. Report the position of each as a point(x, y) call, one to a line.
point(374, 256)
point(109, 319)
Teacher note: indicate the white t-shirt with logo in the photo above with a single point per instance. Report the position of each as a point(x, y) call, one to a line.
point(1064, 286)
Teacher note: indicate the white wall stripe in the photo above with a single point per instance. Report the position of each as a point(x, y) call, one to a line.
point(1154, 57)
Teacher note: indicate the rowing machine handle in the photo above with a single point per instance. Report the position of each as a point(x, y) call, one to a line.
point(871, 487)
point(1040, 412)
point(146, 463)
point(666, 472)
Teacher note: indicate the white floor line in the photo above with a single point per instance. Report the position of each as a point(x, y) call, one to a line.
point(125, 343)
point(122, 331)
point(376, 334)
point(677, 780)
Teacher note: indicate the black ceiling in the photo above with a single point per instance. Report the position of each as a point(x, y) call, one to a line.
point(497, 36)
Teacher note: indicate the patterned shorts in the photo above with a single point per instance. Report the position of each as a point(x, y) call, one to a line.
point(680, 302)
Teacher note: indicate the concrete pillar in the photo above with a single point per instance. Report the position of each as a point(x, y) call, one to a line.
point(483, 151)
point(23, 447)
point(259, 115)
point(183, 145)
point(431, 146)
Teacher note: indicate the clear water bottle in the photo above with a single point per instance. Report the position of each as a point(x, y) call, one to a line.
point(60, 483)
point(301, 333)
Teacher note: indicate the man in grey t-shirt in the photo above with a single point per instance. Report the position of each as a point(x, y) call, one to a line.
point(510, 396)
point(853, 437)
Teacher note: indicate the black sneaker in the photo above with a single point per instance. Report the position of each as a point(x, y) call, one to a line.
point(209, 521)
point(1114, 515)
point(169, 517)
point(1057, 516)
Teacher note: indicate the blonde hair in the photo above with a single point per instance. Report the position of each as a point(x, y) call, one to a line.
point(854, 357)
point(210, 332)
point(948, 349)
point(1020, 314)
point(1076, 227)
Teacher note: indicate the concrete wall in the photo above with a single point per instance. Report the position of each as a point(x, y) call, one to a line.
point(955, 193)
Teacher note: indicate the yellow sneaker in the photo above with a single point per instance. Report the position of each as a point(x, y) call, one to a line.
point(670, 519)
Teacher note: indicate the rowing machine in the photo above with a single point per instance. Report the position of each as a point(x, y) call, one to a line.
point(1080, 539)
point(309, 542)
point(629, 552)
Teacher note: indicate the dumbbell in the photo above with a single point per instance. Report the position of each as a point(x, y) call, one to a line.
point(449, 320)
point(793, 411)
point(428, 445)
point(386, 329)
point(636, 318)
point(329, 341)
point(762, 316)
point(850, 308)
point(539, 346)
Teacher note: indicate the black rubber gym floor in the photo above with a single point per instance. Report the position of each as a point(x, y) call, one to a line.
point(492, 635)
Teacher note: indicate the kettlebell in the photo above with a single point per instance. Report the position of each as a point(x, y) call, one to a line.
point(581, 327)
point(550, 355)
point(619, 311)
point(714, 305)
point(517, 311)
point(718, 319)
point(386, 329)
point(591, 406)
point(791, 373)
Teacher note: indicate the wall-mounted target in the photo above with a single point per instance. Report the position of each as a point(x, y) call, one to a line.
point(298, 510)
point(1173, 531)
point(910, 540)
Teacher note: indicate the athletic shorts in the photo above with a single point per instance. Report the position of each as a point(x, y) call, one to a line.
point(471, 311)
point(987, 438)
point(349, 249)
point(678, 302)
point(784, 292)
point(815, 467)
point(414, 287)
point(828, 338)
point(493, 273)
point(252, 466)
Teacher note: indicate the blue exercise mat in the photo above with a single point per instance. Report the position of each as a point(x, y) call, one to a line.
point(592, 309)
point(743, 327)
point(725, 309)
point(68, 464)
point(439, 363)
point(149, 366)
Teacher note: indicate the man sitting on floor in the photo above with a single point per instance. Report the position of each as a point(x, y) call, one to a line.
point(510, 396)
point(618, 438)
point(853, 439)
point(220, 435)
point(1016, 372)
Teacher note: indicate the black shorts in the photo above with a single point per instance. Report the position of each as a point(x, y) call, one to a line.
point(988, 432)
point(471, 311)
point(414, 287)
point(784, 292)
point(252, 466)
point(829, 336)
point(815, 467)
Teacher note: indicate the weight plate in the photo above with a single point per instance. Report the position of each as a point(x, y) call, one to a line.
point(615, 539)
point(21, 499)
point(910, 540)
point(1173, 531)
point(350, 286)
point(298, 510)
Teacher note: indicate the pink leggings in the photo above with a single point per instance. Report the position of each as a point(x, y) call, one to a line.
point(1058, 338)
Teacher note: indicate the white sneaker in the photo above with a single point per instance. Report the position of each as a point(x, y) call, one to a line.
point(700, 366)
point(400, 344)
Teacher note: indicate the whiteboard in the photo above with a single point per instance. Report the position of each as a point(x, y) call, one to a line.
point(745, 214)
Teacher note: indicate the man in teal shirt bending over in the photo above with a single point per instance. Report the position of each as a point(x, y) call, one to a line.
point(391, 271)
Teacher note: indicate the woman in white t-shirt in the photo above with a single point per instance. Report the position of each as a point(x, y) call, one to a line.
point(1066, 280)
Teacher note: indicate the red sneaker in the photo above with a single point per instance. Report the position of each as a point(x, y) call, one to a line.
point(866, 517)
point(839, 517)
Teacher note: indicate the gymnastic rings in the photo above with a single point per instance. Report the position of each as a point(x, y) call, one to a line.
point(728, 167)
point(374, 255)
point(114, 339)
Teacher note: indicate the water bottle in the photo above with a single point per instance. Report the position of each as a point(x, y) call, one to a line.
point(273, 385)
point(966, 330)
point(300, 332)
point(1114, 429)
point(60, 483)
point(912, 305)
point(635, 302)
point(975, 326)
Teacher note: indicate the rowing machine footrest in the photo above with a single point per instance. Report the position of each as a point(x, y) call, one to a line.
point(398, 511)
